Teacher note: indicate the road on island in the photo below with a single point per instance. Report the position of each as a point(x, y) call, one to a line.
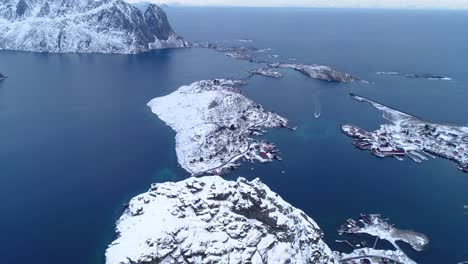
point(236, 156)
point(368, 256)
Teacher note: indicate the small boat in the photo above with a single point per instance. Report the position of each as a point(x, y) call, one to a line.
point(2, 77)
point(398, 157)
point(419, 155)
point(317, 114)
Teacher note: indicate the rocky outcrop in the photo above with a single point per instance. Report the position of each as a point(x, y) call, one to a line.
point(320, 72)
point(267, 72)
point(427, 76)
point(84, 26)
point(211, 220)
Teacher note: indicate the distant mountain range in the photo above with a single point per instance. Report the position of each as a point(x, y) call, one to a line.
point(84, 26)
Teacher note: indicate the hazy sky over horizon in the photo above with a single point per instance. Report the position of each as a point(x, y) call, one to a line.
point(446, 4)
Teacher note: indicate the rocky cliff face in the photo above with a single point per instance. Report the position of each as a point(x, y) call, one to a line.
point(84, 26)
point(211, 220)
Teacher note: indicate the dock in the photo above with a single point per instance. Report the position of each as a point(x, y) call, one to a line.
point(414, 158)
point(346, 242)
point(375, 243)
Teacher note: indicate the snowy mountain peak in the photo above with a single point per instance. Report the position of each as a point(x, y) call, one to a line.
point(84, 26)
point(211, 220)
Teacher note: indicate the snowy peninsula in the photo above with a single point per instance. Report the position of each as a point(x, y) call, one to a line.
point(409, 136)
point(216, 126)
point(376, 226)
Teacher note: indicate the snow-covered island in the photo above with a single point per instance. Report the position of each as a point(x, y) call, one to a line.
point(216, 126)
point(314, 71)
point(378, 227)
point(319, 72)
point(427, 76)
point(84, 26)
point(238, 53)
point(409, 136)
point(267, 72)
point(211, 220)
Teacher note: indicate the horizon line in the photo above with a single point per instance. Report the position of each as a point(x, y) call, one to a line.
point(320, 7)
point(306, 6)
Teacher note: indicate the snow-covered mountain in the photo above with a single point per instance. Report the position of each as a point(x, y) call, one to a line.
point(212, 220)
point(84, 26)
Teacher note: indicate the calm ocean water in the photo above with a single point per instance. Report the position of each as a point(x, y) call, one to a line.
point(77, 140)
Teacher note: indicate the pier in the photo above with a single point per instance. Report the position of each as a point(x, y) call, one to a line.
point(290, 128)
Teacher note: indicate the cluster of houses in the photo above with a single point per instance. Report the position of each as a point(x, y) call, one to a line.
point(262, 151)
point(375, 142)
point(354, 226)
point(417, 140)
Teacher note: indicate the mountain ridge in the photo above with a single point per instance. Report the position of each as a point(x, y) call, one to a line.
point(212, 220)
point(84, 26)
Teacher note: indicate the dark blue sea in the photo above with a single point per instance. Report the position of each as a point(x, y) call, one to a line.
point(77, 139)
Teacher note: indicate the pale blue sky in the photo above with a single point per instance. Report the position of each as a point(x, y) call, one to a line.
point(446, 4)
